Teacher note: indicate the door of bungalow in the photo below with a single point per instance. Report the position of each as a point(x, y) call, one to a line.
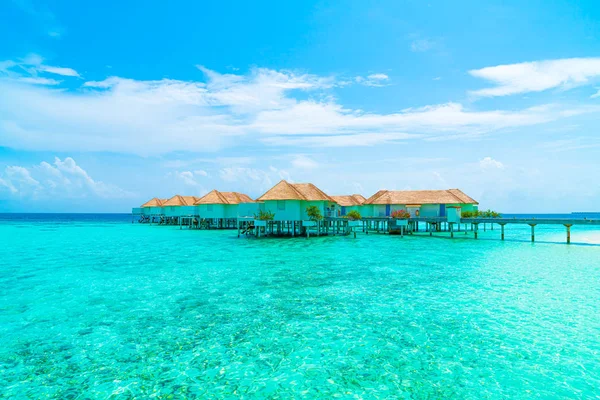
point(442, 210)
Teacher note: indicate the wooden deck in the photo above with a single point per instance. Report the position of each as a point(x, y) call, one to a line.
point(441, 224)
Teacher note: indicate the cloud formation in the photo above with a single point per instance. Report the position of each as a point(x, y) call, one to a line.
point(490, 163)
point(61, 179)
point(264, 107)
point(421, 45)
point(374, 80)
point(537, 76)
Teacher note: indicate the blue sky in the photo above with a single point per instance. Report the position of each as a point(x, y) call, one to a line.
point(105, 105)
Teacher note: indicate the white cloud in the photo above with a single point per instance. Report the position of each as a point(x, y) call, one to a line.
point(253, 180)
point(30, 67)
point(490, 163)
point(21, 176)
point(244, 174)
point(58, 70)
point(62, 179)
point(6, 184)
point(570, 144)
point(190, 178)
point(38, 81)
point(304, 162)
point(538, 76)
point(186, 177)
point(421, 45)
point(228, 110)
point(374, 80)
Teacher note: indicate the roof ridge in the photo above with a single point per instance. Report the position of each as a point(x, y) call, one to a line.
point(455, 196)
point(371, 199)
point(320, 191)
point(221, 196)
point(237, 197)
point(291, 185)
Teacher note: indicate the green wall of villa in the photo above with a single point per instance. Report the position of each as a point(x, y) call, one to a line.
point(361, 209)
point(295, 210)
point(249, 209)
point(210, 211)
point(426, 210)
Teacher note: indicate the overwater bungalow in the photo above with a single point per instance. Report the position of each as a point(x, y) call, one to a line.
point(221, 209)
point(150, 209)
point(349, 203)
point(179, 206)
point(288, 201)
point(419, 203)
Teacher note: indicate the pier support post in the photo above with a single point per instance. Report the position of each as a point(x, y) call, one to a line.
point(476, 226)
point(502, 227)
point(532, 232)
point(568, 226)
point(451, 230)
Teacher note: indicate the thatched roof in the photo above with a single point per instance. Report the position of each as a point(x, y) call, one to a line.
point(295, 191)
point(417, 197)
point(178, 200)
point(349, 200)
point(216, 197)
point(154, 202)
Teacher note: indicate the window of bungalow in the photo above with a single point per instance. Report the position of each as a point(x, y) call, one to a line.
point(281, 205)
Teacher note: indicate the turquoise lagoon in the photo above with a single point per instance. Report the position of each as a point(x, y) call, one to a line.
point(97, 307)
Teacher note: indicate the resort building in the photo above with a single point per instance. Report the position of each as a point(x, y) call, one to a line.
point(352, 202)
point(221, 209)
point(288, 201)
point(419, 203)
point(151, 208)
point(179, 206)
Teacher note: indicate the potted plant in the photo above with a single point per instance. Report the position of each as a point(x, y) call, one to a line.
point(400, 217)
point(354, 218)
point(262, 217)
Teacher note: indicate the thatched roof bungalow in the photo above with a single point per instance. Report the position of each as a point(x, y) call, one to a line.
point(178, 206)
point(288, 201)
point(221, 205)
point(425, 203)
point(152, 207)
point(349, 203)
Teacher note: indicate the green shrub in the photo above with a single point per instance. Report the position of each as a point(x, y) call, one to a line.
point(480, 214)
point(264, 215)
point(314, 214)
point(353, 215)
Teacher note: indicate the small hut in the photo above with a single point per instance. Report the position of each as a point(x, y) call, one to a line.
point(424, 203)
point(152, 207)
point(221, 209)
point(288, 201)
point(179, 206)
point(349, 203)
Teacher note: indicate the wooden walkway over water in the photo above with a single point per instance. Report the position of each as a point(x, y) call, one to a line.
point(384, 225)
point(441, 224)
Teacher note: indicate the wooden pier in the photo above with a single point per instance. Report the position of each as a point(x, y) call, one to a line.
point(325, 227)
point(249, 226)
point(441, 224)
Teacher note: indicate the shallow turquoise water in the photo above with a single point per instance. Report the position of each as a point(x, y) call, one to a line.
point(94, 308)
